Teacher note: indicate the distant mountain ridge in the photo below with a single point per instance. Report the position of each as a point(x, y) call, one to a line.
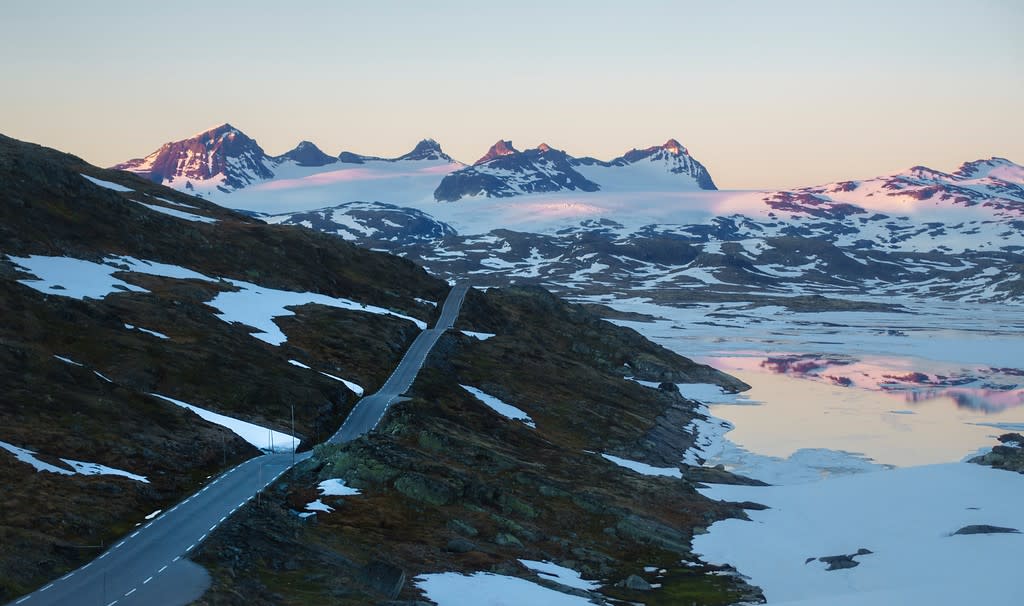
point(223, 160)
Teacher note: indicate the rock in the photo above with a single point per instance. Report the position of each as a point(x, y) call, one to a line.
point(462, 528)
point(460, 545)
point(504, 538)
point(839, 562)
point(383, 578)
point(635, 583)
point(986, 529)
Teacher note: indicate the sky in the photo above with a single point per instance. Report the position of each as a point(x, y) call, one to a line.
point(765, 94)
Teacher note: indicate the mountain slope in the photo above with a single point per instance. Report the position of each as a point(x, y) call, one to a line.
point(115, 288)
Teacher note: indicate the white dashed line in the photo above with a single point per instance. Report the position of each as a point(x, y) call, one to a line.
point(67, 576)
point(222, 519)
point(133, 535)
point(23, 599)
point(47, 587)
point(103, 556)
point(162, 569)
point(112, 603)
point(212, 528)
point(119, 544)
point(87, 565)
point(133, 589)
point(147, 580)
point(201, 539)
point(176, 558)
point(190, 547)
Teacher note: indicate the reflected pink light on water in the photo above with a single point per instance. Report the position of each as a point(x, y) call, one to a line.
point(985, 400)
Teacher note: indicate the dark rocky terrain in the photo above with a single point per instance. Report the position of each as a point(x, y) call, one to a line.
point(1008, 454)
point(449, 485)
point(101, 411)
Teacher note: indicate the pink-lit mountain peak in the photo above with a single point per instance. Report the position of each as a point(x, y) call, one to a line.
point(499, 149)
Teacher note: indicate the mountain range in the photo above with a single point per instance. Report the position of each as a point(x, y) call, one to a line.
point(153, 340)
point(224, 160)
point(648, 222)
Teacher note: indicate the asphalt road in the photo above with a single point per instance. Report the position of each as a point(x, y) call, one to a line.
point(370, 410)
point(150, 566)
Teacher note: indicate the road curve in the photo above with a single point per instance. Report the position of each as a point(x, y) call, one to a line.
point(150, 566)
point(370, 410)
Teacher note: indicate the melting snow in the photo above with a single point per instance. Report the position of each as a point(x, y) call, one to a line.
point(178, 214)
point(336, 487)
point(488, 589)
point(356, 389)
point(257, 306)
point(77, 467)
point(483, 336)
point(904, 516)
point(560, 574)
point(505, 410)
point(107, 184)
point(260, 437)
point(644, 468)
point(319, 505)
point(297, 363)
point(68, 360)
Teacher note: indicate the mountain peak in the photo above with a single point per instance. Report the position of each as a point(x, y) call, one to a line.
point(544, 147)
point(996, 167)
point(674, 147)
point(427, 149)
point(306, 153)
point(499, 149)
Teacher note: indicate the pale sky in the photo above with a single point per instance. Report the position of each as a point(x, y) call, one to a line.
point(765, 94)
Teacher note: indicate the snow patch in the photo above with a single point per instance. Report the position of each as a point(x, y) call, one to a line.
point(482, 336)
point(260, 437)
point(560, 574)
point(106, 184)
point(489, 589)
point(644, 468)
point(77, 467)
point(356, 389)
point(336, 487)
point(506, 410)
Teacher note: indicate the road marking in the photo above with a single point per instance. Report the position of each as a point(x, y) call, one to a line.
point(119, 544)
point(87, 565)
point(201, 539)
point(130, 592)
point(147, 580)
point(112, 603)
point(67, 576)
point(103, 556)
point(222, 519)
point(23, 599)
point(47, 587)
point(176, 558)
point(190, 547)
point(135, 534)
point(162, 569)
point(213, 527)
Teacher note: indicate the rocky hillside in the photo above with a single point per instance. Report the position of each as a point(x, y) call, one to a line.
point(114, 289)
point(451, 483)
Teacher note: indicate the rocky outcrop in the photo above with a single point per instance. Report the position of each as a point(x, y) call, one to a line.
point(1008, 455)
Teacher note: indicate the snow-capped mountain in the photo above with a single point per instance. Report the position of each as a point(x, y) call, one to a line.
point(916, 233)
point(219, 163)
point(505, 172)
point(224, 158)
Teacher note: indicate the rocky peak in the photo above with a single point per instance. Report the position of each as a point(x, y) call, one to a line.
point(427, 149)
point(674, 147)
point(1000, 168)
point(499, 149)
point(543, 147)
point(307, 153)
